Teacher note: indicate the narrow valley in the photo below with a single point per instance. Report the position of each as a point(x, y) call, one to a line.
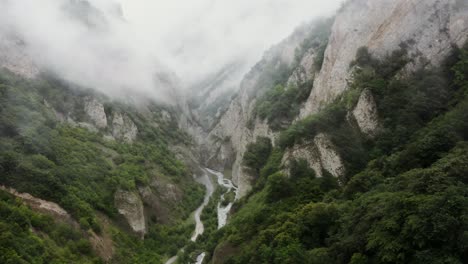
point(211, 132)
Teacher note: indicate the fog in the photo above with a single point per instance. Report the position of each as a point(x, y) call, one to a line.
point(119, 46)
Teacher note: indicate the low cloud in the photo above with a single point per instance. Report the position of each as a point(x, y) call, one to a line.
point(120, 46)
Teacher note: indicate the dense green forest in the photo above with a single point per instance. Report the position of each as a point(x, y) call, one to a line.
point(404, 196)
point(402, 199)
point(30, 237)
point(80, 170)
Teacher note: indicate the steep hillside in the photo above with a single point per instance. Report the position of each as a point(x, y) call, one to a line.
point(239, 126)
point(399, 193)
point(346, 143)
point(211, 97)
point(108, 164)
point(354, 149)
point(97, 178)
point(313, 67)
point(428, 29)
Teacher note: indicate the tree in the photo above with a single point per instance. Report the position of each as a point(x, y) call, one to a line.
point(257, 154)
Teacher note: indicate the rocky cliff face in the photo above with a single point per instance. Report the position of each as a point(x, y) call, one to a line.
point(130, 205)
point(123, 128)
point(14, 58)
point(319, 154)
point(428, 29)
point(210, 97)
point(366, 115)
point(149, 203)
point(95, 112)
point(226, 143)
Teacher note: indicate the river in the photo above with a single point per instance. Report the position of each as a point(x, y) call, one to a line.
point(222, 211)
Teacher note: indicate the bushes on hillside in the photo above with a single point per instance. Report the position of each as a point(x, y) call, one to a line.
point(405, 203)
point(80, 170)
point(257, 154)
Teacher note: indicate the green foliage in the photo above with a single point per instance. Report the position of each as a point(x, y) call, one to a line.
point(257, 154)
point(405, 198)
point(279, 103)
point(460, 68)
point(29, 237)
point(278, 187)
point(207, 240)
point(80, 170)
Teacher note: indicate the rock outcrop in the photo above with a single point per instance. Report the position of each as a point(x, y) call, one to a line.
point(123, 128)
point(329, 157)
point(95, 112)
point(320, 155)
point(120, 127)
point(227, 141)
point(130, 205)
point(13, 56)
point(308, 152)
point(43, 206)
point(306, 69)
point(366, 115)
point(427, 28)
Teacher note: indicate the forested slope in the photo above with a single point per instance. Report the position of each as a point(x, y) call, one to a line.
point(111, 170)
point(404, 194)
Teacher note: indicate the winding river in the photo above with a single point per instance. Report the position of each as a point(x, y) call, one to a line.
point(222, 211)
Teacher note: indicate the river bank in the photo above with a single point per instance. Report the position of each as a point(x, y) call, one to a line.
point(207, 178)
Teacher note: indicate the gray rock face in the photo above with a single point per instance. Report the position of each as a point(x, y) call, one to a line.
point(211, 96)
point(366, 114)
point(306, 70)
point(428, 27)
point(329, 157)
point(168, 192)
point(123, 128)
point(14, 57)
point(320, 154)
point(159, 199)
point(95, 112)
point(239, 137)
point(41, 205)
point(308, 152)
point(230, 137)
point(130, 205)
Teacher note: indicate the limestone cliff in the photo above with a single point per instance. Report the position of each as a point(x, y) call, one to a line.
point(130, 205)
point(366, 115)
point(95, 112)
point(427, 29)
point(14, 58)
point(228, 140)
point(123, 128)
point(320, 155)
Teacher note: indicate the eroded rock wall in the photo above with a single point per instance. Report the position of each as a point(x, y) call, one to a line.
point(320, 154)
point(366, 115)
point(13, 56)
point(130, 205)
point(427, 28)
point(238, 126)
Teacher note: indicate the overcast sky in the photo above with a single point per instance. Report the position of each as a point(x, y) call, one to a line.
point(199, 36)
point(191, 38)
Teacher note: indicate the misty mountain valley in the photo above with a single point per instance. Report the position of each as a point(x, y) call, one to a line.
point(234, 132)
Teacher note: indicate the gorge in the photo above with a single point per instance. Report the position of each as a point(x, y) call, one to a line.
point(345, 143)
